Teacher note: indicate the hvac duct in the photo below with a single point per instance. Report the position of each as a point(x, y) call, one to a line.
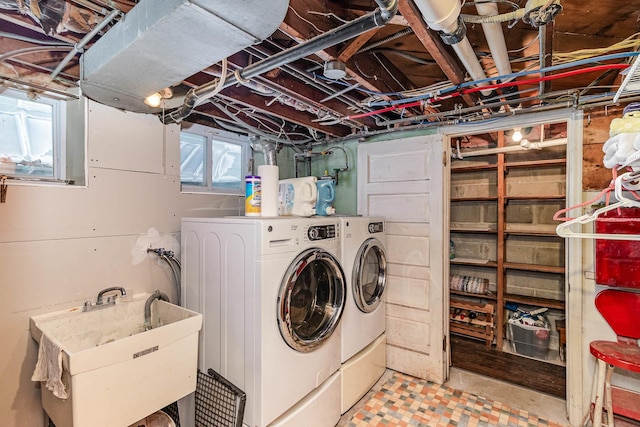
point(160, 43)
point(444, 16)
point(377, 18)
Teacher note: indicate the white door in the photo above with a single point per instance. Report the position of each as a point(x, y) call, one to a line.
point(403, 181)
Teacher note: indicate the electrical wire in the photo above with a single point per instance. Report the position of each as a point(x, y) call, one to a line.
point(498, 86)
point(508, 77)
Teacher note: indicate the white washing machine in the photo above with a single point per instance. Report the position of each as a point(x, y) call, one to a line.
point(272, 294)
point(363, 323)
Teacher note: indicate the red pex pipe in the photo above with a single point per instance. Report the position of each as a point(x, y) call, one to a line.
point(495, 86)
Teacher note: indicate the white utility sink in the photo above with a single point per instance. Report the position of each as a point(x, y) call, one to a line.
point(114, 371)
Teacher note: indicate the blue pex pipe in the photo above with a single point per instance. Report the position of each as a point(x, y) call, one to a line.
point(511, 76)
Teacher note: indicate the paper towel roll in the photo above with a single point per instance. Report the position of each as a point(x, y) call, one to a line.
point(269, 175)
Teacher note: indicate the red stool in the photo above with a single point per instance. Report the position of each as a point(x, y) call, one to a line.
point(621, 310)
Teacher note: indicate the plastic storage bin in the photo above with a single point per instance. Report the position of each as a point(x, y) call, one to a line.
point(532, 341)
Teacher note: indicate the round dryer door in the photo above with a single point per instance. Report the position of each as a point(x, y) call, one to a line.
point(311, 299)
point(369, 275)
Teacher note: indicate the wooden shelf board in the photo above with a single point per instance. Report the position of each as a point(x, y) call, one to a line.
point(468, 294)
point(536, 163)
point(474, 168)
point(534, 267)
point(472, 231)
point(535, 301)
point(474, 199)
point(549, 233)
point(552, 197)
point(473, 262)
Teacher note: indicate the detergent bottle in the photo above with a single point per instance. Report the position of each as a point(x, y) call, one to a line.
point(297, 196)
point(326, 186)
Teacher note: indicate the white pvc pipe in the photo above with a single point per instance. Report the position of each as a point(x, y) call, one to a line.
point(442, 15)
point(471, 64)
point(512, 148)
point(495, 38)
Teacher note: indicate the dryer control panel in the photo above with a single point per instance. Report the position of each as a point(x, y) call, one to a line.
point(321, 232)
point(376, 227)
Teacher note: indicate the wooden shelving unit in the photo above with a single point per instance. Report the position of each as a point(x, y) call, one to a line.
point(497, 247)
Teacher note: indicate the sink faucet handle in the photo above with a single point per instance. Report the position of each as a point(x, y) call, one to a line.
point(111, 289)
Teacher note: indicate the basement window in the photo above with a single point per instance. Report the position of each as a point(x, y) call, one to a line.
point(29, 135)
point(212, 160)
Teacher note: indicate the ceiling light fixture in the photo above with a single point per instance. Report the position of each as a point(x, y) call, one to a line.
point(155, 99)
point(517, 135)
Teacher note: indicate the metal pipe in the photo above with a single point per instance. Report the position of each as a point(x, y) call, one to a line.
point(310, 80)
point(147, 307)
point(542, 38)
point(375, 19)
point(86, 39)
point(174, 265)
point(176, 276)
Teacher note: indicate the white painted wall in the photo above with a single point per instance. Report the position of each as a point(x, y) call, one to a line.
point(60, 245)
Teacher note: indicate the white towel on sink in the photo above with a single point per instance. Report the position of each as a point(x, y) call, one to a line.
point(49, 367)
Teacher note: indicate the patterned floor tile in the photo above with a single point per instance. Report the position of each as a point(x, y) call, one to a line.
point(408, 401)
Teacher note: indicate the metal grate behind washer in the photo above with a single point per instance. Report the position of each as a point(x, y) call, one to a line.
point(219, 403)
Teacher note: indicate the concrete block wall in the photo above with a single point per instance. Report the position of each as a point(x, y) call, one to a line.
point(530, 182)
point(474, 184)
point(540, 285)
point(475, 246)
point(535, 250)
point(474, 215)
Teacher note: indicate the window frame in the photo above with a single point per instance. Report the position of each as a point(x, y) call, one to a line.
point(212, 135)
point(58, 132)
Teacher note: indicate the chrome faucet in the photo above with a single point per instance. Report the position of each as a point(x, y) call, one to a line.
point(110, 299)
point(88, 305)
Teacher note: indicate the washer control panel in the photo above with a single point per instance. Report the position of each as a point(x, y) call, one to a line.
point(322, 232)
point(376, 227)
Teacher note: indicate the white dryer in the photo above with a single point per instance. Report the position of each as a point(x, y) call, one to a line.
point(272, 293)
point(363, 323)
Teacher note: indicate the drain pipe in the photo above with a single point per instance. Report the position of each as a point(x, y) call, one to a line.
point(378, 18)
point(444, 17)
point(498, 46)
point(147, 307)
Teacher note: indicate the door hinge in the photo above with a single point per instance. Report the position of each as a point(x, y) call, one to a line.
point(444, 343)
point(444, 158)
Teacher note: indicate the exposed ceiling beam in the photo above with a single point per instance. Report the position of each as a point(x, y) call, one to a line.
point(302, 28)
point(349, 50)
point(447, 62)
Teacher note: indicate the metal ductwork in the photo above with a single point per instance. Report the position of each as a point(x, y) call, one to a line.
point(160, 43)
point(268, 149)
point(378, 18)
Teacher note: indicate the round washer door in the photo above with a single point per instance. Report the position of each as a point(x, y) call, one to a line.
point(369, 275)
point(311, 299)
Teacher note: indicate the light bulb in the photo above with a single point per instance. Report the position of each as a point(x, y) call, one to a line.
point(517, 135)
point(153, 100)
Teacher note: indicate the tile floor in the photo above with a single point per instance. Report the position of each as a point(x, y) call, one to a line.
point(542, 405)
